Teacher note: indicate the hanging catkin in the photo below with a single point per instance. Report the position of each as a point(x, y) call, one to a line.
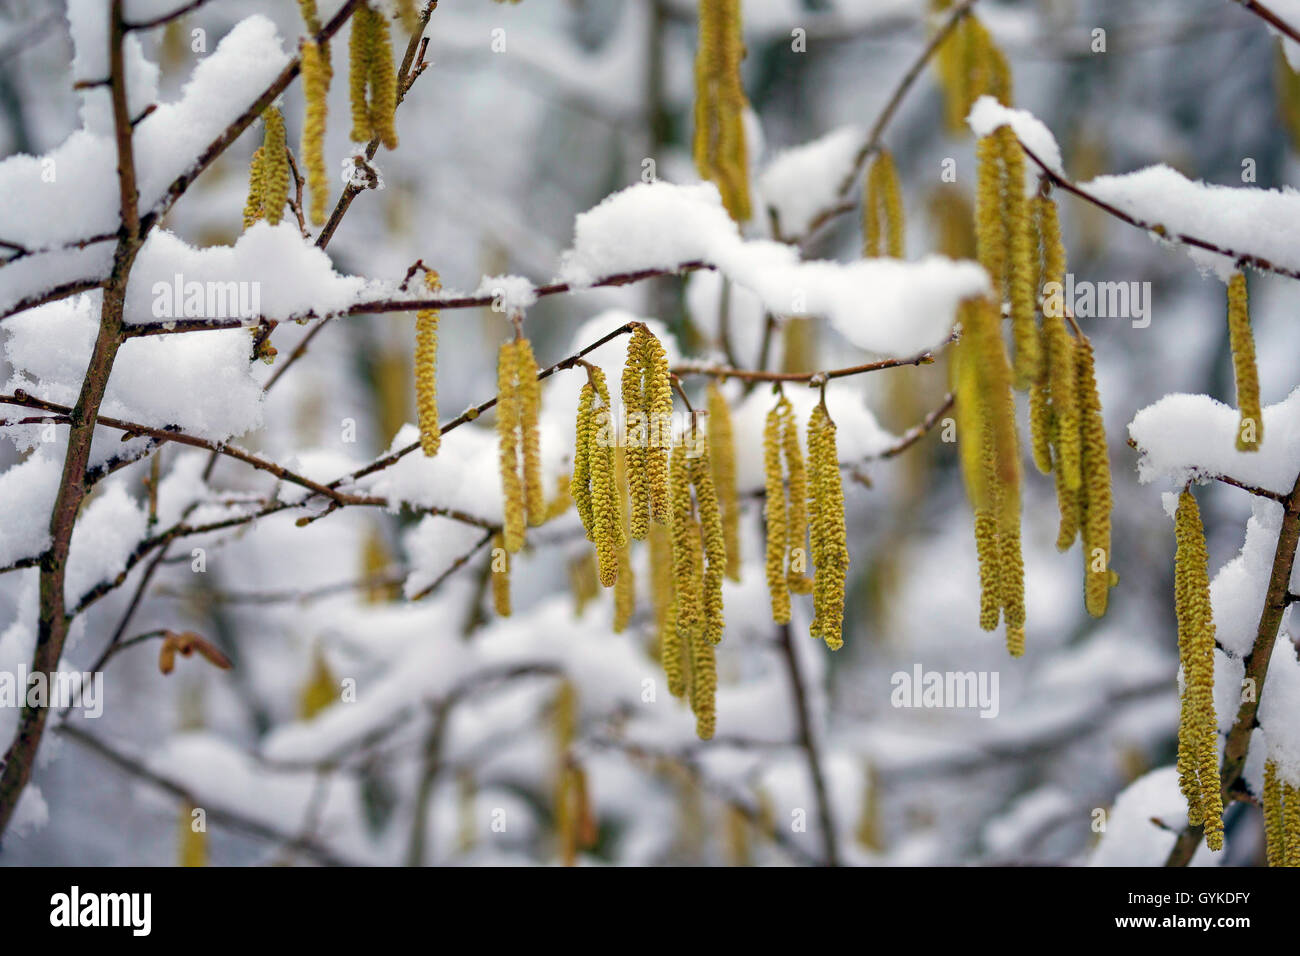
point(722, 452)
point(316, 76)
point(719, 143)
point(509, 414)
point(372, 79)
point(665, 602)
point(1274, 817)
point(882, 198)
point(1250, 430)
point(774, 514)
point(1291, 821)
point(500, 578)
point(1095, 495)
point(530, 408)
point(830, 550)
point(625, 586)
point(634, 406)
point(593, 486)
point(970, 65)
point(715, 548)
point(647, 399)
point(426, 372)
point(1198, 729)
point(688, 569)
point(796, 537)
point(268, 177)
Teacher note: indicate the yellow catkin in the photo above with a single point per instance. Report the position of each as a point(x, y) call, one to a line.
point(636, 410)
point(715, 547)
point(361, 55)
point(530, 409)
point(969, 65)
point(1250, 430)
point(704, 686)
point(316, 76)
point(990, 243)
point(1095, 489)
point(1198, 730)
point(774, 514)
point(625, 585)
point(722, 452)
point(500, 577)
point(320, 691)
point(583, 443)
point(276, 168)
point(1287, 88)
point(882, 198)
point(688, 584)
point(408, 13)
point(1274, 820)
point(1040, 426)
point(1022, 246)
point(659, 414)
point(256, 187)
point(607, 524)
point(796, 537)
point(829, 539)
point(720, 104)
point(383, 87)
point(1291, 819)
point(665, 604)
point(1061, 363)
point(310, 16)
point(508, 416)
point(426, 372)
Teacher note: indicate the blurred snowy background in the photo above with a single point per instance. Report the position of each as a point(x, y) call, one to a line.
point(499, 151)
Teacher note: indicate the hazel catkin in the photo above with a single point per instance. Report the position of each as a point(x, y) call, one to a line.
point(722, 455)
point(426, 372)
point(1250, 430)
point(719, 140)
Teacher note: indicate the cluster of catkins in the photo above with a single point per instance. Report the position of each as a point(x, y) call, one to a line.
point(1018, 241)
point(374, 93)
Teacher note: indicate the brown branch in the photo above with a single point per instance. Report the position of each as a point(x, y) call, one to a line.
point(1269, 17)
point(1237, 744)
point(441, 303)
point(812, 378)
point(53, 619)
point(1155, 228)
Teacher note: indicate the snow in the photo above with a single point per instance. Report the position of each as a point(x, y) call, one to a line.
point(802, 181)
point(512, 293)
point(1279, 703)
point(1189, 437)
point(1132, 838)
point(49, 348)
point(1241, 219)
point(432, 547)
point(81, 198)
point(882, 305)
point(27, 490)
point(107, 532)
point(987, 114)
point(1238, 589)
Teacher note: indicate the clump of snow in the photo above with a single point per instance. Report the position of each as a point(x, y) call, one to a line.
point(107, 532)
point(1131, 838)
point(1186, 437)
point(511, 293)
point(880, 305)
point(1279, 703)
point(987, 114)
point(1242, 219)
point(49, 348)
point(273, 269)
point(802, 181)
point(27, 490)
point(1238, 590)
